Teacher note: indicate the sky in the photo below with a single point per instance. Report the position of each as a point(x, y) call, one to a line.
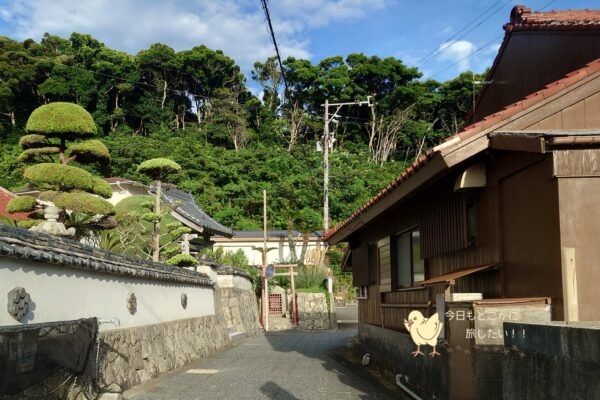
point(440, 37)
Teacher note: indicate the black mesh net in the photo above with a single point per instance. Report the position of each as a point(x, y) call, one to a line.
point(30, 354)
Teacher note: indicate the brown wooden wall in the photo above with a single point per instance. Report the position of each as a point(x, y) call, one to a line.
point(585, 114)
point(531, 60)
point(517, 229)
point(531, 258)
point(579, 196)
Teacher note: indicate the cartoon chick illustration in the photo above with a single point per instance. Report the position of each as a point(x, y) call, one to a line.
point(424, 331)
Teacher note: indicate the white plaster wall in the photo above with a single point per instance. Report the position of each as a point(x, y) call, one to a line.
point(242, 283)
point(276, 256)
point(60, 293)
point(211, 273)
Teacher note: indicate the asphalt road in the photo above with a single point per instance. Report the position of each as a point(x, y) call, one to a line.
point(288, 365)
point(347, 316)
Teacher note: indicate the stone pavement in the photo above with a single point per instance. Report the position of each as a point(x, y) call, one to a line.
point(283, 365)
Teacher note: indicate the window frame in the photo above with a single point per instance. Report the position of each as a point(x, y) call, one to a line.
point(362, 292)
point(396, 266)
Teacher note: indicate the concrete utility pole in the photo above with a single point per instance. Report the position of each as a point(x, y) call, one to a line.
point(265, 282)
point(326, 144)
point(326, 169)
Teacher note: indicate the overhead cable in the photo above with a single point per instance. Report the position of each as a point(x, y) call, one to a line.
point(270, 26)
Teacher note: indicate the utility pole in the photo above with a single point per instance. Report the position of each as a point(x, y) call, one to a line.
point(326, 144)
point(265, 282)
point(326, 169)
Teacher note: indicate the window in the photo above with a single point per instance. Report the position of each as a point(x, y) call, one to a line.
point(362, 292)
point(410, 266)
point(385, 266)
point(373, 264)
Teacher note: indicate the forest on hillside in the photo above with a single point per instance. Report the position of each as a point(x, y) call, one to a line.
point(197, 108)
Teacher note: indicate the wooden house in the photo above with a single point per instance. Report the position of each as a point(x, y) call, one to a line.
point(496, 224)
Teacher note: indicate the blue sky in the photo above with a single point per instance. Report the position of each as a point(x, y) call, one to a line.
point(412, 31)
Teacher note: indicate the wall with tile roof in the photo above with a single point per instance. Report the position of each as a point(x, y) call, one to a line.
point(67, 280)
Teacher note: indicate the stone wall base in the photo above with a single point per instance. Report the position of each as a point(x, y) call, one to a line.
point(314, 312)
point(133, 356)
point(391, 353)
point(240, 310)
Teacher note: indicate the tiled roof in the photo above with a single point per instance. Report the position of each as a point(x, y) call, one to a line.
point(49, 249)
point(270, 234)
point(228, 270)
point(185, 205)
point(521, 19)
point(472, 130)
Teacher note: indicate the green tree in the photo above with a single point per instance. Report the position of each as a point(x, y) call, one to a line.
point(203, 72)
point(231, 117)
point(17, 77)
point(134, 232)
point(77, 192)
point(269, 77)
point(158, 169)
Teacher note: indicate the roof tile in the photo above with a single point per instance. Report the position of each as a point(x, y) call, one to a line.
point(522, 18)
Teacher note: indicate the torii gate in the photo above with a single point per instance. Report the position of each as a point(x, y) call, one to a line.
point(266, 273)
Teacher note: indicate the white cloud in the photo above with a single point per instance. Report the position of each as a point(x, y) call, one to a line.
point(236, 27)
point(459, 52)
point(315, 13)
point(133, 25)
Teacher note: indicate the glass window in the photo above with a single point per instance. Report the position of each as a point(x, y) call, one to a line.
point(403, 260)
point(410, 266)
point(418, 264)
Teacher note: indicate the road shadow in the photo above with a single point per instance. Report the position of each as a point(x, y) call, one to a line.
point(335, 351)
point(276, 392)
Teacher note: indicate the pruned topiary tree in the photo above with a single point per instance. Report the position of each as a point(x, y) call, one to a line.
point(158, 169)
point(50, 130)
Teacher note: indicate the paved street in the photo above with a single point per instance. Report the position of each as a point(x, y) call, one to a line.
point(280, 365)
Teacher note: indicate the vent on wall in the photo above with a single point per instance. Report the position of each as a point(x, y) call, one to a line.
point(471, 178)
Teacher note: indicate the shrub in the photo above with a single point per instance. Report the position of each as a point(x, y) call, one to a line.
point(182, 260)
point(21, 204)
point(310, 276)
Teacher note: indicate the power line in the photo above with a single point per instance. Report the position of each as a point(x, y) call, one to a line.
point(485, 45)
point(463, 31)
point(467, 56)
point(547, 4)
point(139, 84)
point(270, 25)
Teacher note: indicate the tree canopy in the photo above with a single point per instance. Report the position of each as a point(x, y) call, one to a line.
point(74, 190)
point(62, 120)
point(80, 103)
